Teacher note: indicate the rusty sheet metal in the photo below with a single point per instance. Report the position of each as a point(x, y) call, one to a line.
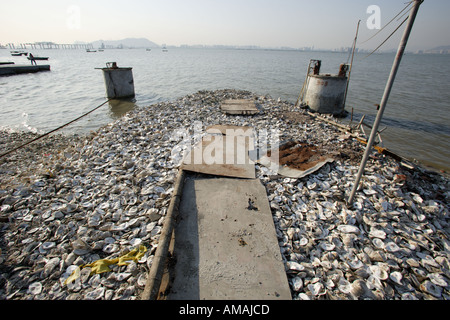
point(239, 107)
point(223, 154)
point(292, 159)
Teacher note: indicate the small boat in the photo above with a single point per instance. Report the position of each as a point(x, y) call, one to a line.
point(148, 49)
point(19, 53)
point(90, 50)
point(100, 50)
point(38, 58)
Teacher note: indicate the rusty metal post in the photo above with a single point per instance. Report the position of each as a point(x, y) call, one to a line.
point(387, 91)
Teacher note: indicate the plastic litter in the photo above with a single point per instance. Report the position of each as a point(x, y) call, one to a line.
point(102, 265)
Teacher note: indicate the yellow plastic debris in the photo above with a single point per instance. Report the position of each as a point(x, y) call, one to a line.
point(74, 276)
point(102, 265)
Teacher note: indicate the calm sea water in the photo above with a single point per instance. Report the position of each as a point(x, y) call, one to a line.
point(417, 116)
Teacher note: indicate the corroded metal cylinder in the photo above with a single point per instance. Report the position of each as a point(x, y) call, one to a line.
point(118, 81)
point(325, 93)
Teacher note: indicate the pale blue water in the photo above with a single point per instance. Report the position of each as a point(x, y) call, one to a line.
point(417, 115)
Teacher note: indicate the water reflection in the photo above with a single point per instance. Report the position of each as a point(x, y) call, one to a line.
point(119, 107)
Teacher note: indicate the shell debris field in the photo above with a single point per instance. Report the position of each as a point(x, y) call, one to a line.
point(69, 201)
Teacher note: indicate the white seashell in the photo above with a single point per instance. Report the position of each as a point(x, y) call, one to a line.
point(392, 247)
point(290, 233)
point(84, 274)
point(50, 266)
point(95, 281)
point(48, 245)
point(378, 243)
point(421, 217)
point(142, 280)
point(297, 284)
point(431, 288)
point(355, 264)
point(358, 288)
point(94, 221)
point(311, 185)
point(35, 288)
point(28, 217)
point(374, 233)
point(150, 226)
point(295, 266)
point(358, 206)
point(413, 262)
point(132, 222)
point(304, 241)
point(96, 294)
point(409, 296)
point(327, 246)
point(417, 198)
point(316, 288)
point(369, 192)
point(346, 228)
point(69, 208)
point(378, 272)
point(438, 279)
point(122, 276)
point(330, 284)
point(120, 227)
point(374, 283)
point(135, 242)
point(111, 248)
point(344, 286)
point(109, 240)
point(156, 230)
point(303, 296)
point(396, 277)
point(428, 260)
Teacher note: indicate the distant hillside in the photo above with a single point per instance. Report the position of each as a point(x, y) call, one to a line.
point(441, 48)
point(126, 43)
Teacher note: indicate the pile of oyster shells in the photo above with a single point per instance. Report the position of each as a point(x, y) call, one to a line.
point(81, 199)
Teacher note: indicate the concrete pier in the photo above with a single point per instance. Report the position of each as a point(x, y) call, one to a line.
point(225, 243)
point(13, 69)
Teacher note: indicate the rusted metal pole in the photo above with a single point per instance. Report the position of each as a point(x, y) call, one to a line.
point(157, 268)
point(387, 91)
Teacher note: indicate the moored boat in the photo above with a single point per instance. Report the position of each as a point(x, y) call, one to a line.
point(38, 58)
point(19, 53)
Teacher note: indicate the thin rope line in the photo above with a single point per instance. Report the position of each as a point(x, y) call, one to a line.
point(387, 38)
point(54, 130)
point(388, 22)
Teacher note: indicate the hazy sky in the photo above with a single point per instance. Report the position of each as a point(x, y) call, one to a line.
point(274, 23)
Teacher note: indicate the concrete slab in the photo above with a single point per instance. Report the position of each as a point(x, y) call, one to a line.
point(223, 155)
point(225, 243)
point(239, 107)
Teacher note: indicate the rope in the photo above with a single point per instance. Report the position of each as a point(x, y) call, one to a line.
point(54, 130)
point(388, 22)
point(387, 38)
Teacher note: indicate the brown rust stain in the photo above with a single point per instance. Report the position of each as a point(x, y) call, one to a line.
point(298, 155)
